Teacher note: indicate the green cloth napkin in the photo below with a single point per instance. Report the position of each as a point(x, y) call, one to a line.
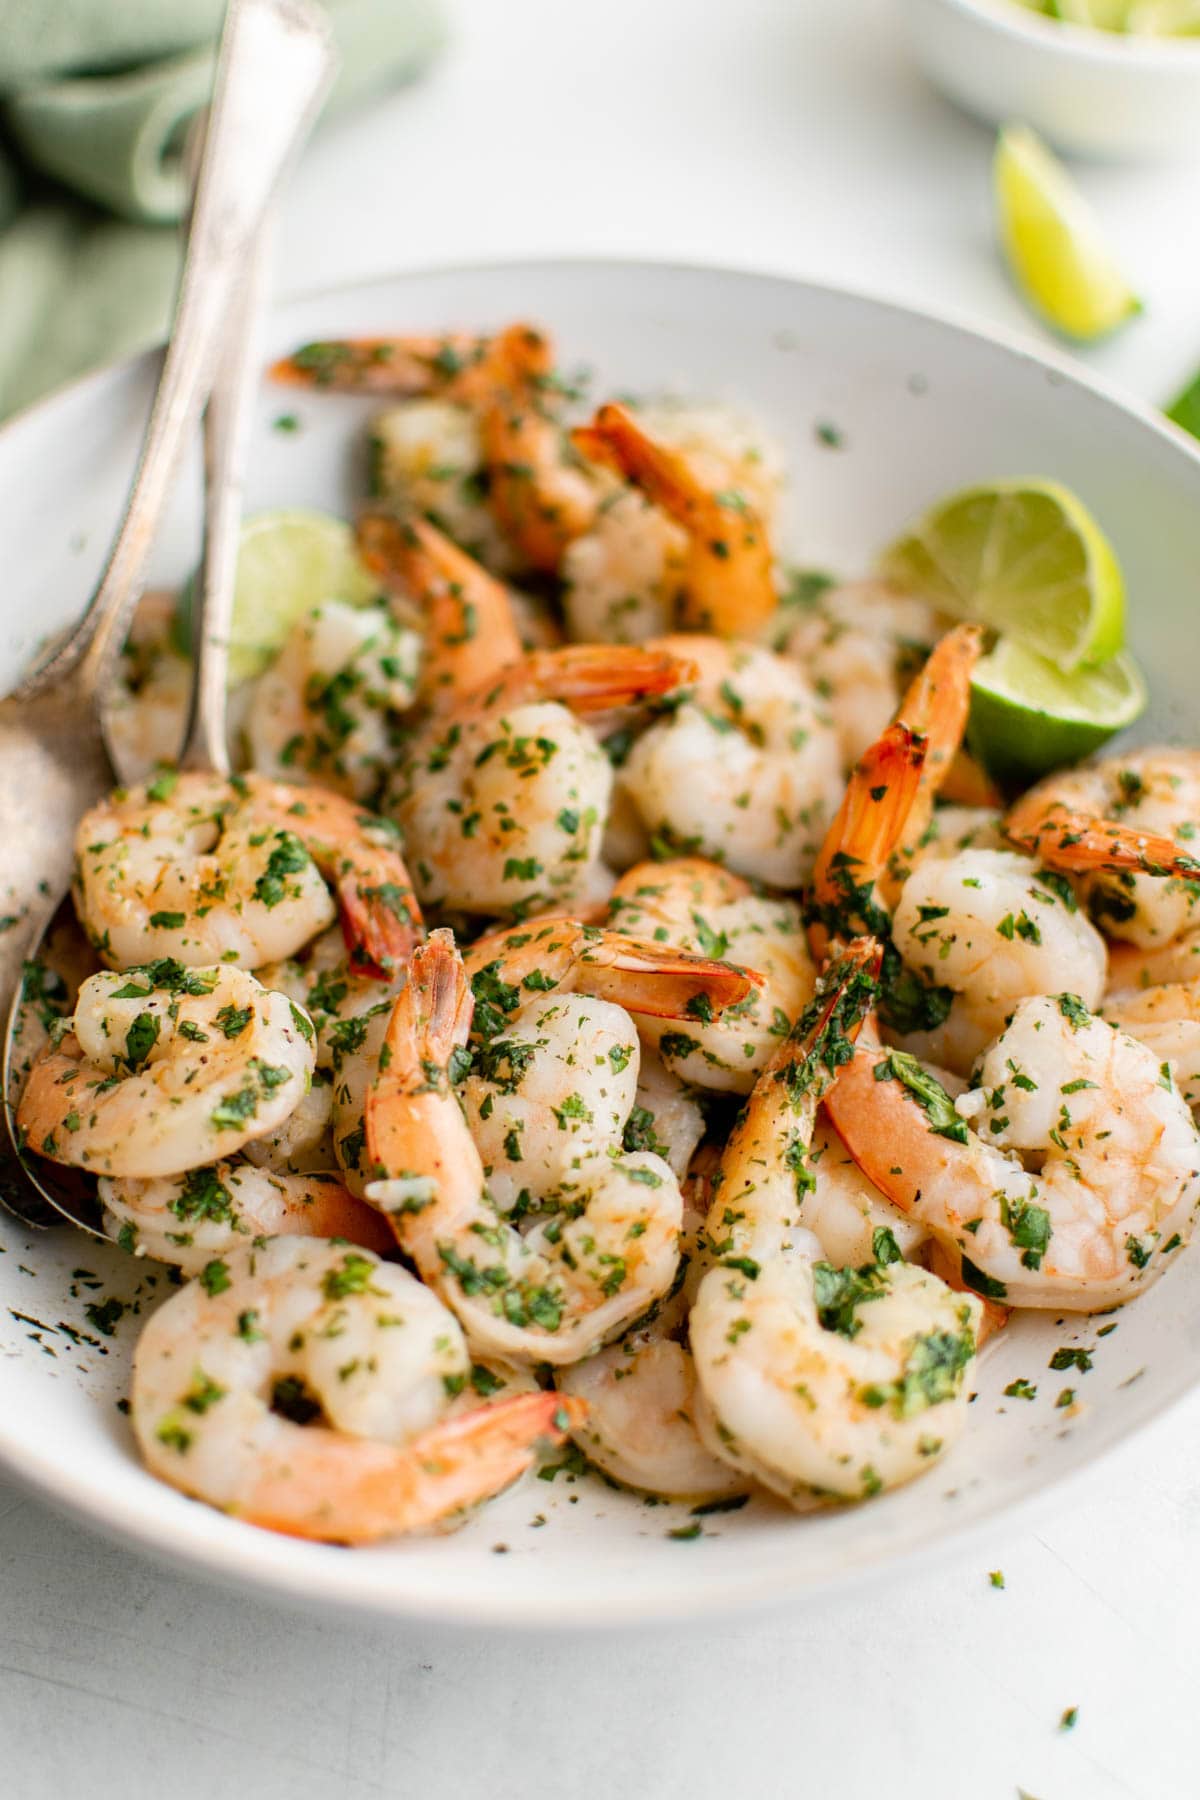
point(98, 95)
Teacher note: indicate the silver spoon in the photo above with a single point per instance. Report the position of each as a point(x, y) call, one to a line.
point(53, 760)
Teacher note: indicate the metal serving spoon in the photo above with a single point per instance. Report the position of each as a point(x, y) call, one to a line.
point(53, 759)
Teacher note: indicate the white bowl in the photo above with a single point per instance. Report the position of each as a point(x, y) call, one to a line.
point(1097, 93)
point(921, 406)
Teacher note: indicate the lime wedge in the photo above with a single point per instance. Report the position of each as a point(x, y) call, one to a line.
point(1101, 15)
point(288, 562)
point(1053, 241)
point(1027, 717)
point(1185, 408)
point(1025, 558)
point(1165, 18)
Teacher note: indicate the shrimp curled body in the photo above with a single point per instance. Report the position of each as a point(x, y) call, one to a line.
point(312, 1395)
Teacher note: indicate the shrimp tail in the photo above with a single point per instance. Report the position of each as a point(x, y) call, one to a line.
point(540, 494)
point(470, 626)
point(884, 1126)
point(870, 823)
point(827, 1028)
point(1079, 843)
point(592, 678)
point(430, 1020)
point(616, 439)
point(724, 529)
point(381, 922)
point(381, 1491)
point(661, 982)
point(404, 367)
point(936, 706)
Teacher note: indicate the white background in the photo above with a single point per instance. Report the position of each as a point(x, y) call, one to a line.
point(791, 135)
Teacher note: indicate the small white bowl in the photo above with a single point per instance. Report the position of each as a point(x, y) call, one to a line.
point(1096, 93)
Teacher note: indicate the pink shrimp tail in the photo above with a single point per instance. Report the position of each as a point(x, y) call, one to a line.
point(1079, 843)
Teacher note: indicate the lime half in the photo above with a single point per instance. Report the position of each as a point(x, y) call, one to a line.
point(1027, 717)
point(1053, 241)
point(1101, 15)
point(1025, 558)
point(1165, 18)
point(288, 562)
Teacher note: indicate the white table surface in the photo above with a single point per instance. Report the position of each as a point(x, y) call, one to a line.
point(791, 135)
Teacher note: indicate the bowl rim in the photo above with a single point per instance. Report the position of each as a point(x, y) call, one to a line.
point(1112, 50)
point(233, 1562)
point(1015, 340)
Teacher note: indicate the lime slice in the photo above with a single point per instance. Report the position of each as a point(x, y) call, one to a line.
point(1027, 717)
point(1185, 408)
point(1101, 15)
point(288, 562)
point(1025, 558)
point(1165, 18)
point(1053, 241)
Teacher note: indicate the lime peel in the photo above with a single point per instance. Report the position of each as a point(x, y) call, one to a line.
point(290, 559)
point(1023, 557)
point(1028, 718)
point(1053, 241)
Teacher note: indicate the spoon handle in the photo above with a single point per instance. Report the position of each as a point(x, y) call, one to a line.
point(273, 68)
point(228, 422)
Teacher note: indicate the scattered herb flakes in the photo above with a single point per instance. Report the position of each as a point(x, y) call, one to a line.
point(1069, 1719)
point(1066, 1398)
point(996, 1577)
point(105, 1316)
point(686, 1534)
point(731, 1503)
point(1020, 1389)
point(1072, 1358)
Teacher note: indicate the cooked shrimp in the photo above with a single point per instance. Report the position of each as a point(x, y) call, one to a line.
point(166, 1068)
point(745, 771)
point(563, 955)
point(699, 906)
point(503, 800)
point(639, 1427)
point(818, 1380)
point(847, 1214)
point(1166, 1018)
point(1111, 1179)
point(327, 980)
point(989, 928)
point(196, 1219)
point(1120, 824)
point(310, 1392)
point(427, 458)
point(622, 579)
point(145, 711)
point(667, 1117)
point(859, 644)
point(330, 703)
point(540, 491)
point(728, 584)
point(204, 869)
point(303, 1143)
point(470, 627)
point(598, 1252)
point(558, 1069)
point(967, 932)
point(449, 363)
